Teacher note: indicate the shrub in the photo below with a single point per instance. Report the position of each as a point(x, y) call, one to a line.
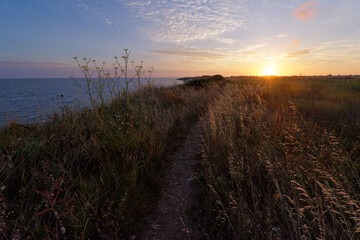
point(202, 82)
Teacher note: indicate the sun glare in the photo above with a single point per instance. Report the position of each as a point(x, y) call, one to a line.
point(269, 71)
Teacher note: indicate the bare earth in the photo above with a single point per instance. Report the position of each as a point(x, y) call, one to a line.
point(179, 192)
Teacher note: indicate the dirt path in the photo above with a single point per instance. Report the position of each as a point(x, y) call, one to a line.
point(179, 192)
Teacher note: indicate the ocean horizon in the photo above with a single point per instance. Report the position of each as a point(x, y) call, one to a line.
point(29, 100)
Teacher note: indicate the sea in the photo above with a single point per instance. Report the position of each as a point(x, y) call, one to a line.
point(30, 100)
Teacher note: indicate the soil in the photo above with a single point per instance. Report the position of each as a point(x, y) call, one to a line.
point(179, 192)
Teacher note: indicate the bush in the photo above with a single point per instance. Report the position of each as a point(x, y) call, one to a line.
point(202, 82)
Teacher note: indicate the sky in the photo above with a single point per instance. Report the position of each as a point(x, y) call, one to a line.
point(181, 37)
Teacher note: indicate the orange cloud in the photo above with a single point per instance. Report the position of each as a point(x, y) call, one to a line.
point(296, 43)
point(299, 53)
point(306, 11)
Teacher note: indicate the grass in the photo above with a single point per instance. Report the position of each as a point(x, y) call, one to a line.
point(281, 158)
point(92, 173)
point(281, 161)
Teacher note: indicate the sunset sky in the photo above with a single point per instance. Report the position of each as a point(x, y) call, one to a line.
point(181, 37)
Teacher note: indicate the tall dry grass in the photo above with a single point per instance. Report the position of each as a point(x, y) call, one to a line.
point(92, 173)
point(273, 171)
point(331, 104)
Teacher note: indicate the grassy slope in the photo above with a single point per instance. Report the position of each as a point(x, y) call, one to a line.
point(91, 174)
point(281, 160)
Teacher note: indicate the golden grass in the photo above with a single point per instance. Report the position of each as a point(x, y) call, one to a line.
point(275, 169)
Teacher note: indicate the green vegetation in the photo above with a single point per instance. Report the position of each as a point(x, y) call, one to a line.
point(202, 82)
point(281, 160)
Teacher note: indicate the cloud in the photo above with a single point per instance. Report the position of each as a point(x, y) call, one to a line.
point(225, 40)
point(108, 22)
point(331, 44)
point(83, 5)
point(177, 21)
point(306, 11)
point(299, 53)
point(249, 53)
point(281, 35)
point(34, 63)
point(251, 48)
point(99, 14)
point(296, 43)
point(189, 53)
point(137, 3)
point(347, 50)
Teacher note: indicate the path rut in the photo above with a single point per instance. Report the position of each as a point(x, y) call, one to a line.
point(179, 192)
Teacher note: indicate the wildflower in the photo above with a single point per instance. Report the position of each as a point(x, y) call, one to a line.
point(123, 199)
point(276, 229)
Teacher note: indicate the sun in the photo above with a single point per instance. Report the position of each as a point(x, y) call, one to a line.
point(269, 71)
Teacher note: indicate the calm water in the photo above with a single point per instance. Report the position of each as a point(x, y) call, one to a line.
point(32, 100)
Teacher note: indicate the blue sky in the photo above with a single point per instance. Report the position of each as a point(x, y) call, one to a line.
point(181, 37)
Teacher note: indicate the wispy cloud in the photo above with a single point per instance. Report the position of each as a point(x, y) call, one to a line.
point(347, 50)
point(249, 53)
point(225, 40)
point(21, 62)
point(138, 3)
point(252, 48)
point(99, 14)
point(282, 35)
point(295, 43)
point(82, 4)
point(306, 11)
point(189, 53)
point(108, 22)
point(299, 53)
point(331, 44)
point(176, 21)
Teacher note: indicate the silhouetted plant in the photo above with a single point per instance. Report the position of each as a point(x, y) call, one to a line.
point(102, 85)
